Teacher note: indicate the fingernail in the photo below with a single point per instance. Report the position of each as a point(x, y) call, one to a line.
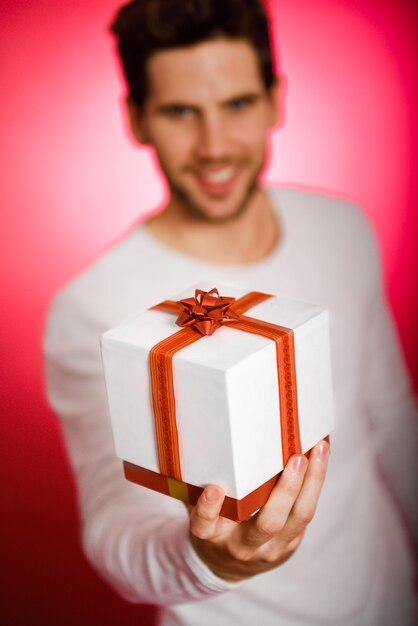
point(211, 494)
point(322, 450)
point(298, 463)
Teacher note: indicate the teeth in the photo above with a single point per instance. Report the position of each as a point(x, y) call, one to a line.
point(221, 176)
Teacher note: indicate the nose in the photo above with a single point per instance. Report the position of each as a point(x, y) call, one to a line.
point(212, 143)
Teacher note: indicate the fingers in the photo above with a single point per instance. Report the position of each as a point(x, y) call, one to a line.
point(289, 509)
point(237, 551)
point(292, 502)
point(273, 516)
point(205, 515)
point(305, 505)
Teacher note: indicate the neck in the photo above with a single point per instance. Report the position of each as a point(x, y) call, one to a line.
point(249, 237)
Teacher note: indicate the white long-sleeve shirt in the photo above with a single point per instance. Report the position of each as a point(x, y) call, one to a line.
point(354, 566)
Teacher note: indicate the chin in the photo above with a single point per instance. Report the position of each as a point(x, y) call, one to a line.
point(217, 215)
point(226, 216)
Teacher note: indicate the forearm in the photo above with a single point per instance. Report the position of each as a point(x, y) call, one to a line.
point(393, 414)
point(144, 552)
point(396, 450)
point(136, 539)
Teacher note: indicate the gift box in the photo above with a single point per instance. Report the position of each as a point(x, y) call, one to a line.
point(218, 386)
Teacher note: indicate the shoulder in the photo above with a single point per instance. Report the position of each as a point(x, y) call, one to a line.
point(338, 227)
point(331, 241)
point(91, 302)
point(326, 211)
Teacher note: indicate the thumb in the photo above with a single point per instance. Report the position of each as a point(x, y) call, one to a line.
point(205, 515)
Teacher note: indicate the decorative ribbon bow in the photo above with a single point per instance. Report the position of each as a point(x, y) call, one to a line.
point(207, 311)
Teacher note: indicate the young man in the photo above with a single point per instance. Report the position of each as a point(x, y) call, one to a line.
point(203, 93)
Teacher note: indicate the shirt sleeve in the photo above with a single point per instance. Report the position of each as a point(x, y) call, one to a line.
point(136, 539)
point(391, 405)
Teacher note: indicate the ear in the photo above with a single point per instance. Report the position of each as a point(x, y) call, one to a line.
point(277, 94)
point(136, 121)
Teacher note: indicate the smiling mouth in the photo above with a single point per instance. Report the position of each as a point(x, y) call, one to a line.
point(219, 176)
point(217, 181)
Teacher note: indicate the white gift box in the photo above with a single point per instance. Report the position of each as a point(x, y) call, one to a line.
point(227, 398)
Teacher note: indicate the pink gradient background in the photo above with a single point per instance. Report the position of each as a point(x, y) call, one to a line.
point(72, 182)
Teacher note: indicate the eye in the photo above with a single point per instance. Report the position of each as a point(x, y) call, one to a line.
point(240, 104)
point(179, 110)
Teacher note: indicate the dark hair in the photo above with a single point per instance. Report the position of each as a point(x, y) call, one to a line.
point(147, 26)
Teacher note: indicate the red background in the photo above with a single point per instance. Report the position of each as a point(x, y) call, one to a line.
point(72, 182)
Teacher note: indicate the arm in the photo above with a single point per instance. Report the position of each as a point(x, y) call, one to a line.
point(136, 539)
point(392, 411)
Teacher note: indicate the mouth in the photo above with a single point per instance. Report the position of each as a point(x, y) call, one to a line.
point(217, 181)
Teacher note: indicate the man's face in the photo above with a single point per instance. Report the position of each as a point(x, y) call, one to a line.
point(206, 115)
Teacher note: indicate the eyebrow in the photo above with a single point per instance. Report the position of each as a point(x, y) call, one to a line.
point(249, 95)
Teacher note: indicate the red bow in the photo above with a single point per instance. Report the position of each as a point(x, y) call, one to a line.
point(207, 311)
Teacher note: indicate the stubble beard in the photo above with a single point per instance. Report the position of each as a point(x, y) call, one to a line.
point(185, 199)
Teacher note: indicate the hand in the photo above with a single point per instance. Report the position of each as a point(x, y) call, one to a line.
point(236, 551)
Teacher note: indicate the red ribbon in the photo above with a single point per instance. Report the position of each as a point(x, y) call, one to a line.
point(203, 315)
